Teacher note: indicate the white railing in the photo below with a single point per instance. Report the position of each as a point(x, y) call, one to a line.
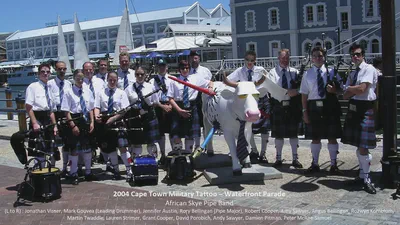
point(295, 61)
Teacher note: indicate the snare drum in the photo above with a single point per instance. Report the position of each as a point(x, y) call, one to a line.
point(46, 183)
point(145, 170)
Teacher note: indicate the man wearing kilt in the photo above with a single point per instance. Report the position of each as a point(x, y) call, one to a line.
point(39, 104)
point(163, 108)
point(58, 87)
point(142, 115)
point(78, 104)
point(321, 121)
point(110, 132)
point(251, 72)
point(286, 115)
point(359, 127)
point(185, 117)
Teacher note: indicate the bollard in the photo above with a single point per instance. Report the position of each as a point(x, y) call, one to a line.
point(10, 115)
point(21, 115)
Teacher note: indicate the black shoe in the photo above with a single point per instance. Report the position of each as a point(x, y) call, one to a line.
point(334, 170)
point(262, 159)
point(91, 177)
point(117, 176)
point(237, 173)
point(109, 169)
point(297, 164)
point(254, 157)
point(313, 169)
point(80, 172)
point(369, 188)
point(247, 165)
point(210, 153)
point(74, 179)
point(277, 163)
point(64, 174)
point(100, 159)
point(356, 181)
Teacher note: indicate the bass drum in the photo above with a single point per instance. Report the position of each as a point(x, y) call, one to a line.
point(46, 183)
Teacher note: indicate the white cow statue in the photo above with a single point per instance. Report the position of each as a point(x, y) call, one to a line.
point(226, 107)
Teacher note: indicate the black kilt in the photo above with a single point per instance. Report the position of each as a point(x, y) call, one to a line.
point(47, 135)
point(284, 119)
point(185, 128)
point(85, 141)
point(62, 127)
point(323, 123)
point(359, 126)
point(143, 130)
point(107, 139)
point(164, 120)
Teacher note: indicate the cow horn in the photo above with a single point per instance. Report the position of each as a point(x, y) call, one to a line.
point(229, 83)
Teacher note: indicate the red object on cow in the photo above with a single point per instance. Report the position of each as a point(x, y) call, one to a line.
point(264, 114)
point(203, 90)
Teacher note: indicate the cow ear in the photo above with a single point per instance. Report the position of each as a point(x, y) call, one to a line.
point(227, 93)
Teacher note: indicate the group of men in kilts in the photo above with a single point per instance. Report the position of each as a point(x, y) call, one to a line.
point(118, 107)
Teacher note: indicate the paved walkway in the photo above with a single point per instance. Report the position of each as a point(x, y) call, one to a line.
point(295, 199)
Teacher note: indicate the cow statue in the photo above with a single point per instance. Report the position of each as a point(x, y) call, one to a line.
point(230, 105)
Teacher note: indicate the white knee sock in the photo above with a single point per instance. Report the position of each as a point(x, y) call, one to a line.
point(361, 174)
point(65, 155)
point(87, 158)
point(114, 160)
point(189, 145)
point(161, 144)
point(264, 143)
point(366, 165)
point(294, 143)
point(124, 157)
point(152, 149)
point(279, 147)
point(253, 144)
point(74, 164)
point(315, 150)
point(333, 149)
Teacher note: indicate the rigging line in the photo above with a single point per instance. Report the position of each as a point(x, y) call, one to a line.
point(346, 45)
point(363, 31)
point(137, 17)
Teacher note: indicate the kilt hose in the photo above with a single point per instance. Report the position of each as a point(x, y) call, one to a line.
point(164, 120)
point(185, 128)
point(109, 137)
point(323, 124)
point(359, 126)
point(263, 125)
point(147, 128)
point(284, 122)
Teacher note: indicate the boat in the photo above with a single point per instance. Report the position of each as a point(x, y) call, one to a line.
point(22, 76)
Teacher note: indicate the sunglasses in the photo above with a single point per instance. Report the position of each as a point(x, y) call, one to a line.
point(62, 69)
point(44, 71)
point(185, 68)
point(358, 54)
point(139, 74)
point(250, 60)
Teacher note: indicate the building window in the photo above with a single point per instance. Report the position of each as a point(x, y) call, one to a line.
point(17, 55)
point(54, 40)
point(251, 46)
point(112, 44)
point(92, 36)
point(55, 51)
point(315, 14)
point(16, 45)
point(46, 41)
point(31, 44)
point(137, 30)
point(103, 46)
point(39, 53)
point(310, 14)
point(345, 20)
point(113, 33)
point(375, 46)
point(273, 18)
point(71, 50)
point(9, 46)
point(71, 38)
point(102, 34)
point(92, 47)
point(38, 42)
point(364, 44)
point(370, 10)
point(10, 56)
point(149, 30)
point(274, 47)
point(161, 28)
point(24, 54)
point(47, 52)
point(138, 42)
point(306, 47)
point(23, 44)
point(250, 20)
point(328, 45)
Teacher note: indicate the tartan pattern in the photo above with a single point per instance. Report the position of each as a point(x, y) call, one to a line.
point(83, 142)
point(322, 126)
point(185, 128)
point(263, 125)
point(283, 123)
point(108, 140)
point(361, 134)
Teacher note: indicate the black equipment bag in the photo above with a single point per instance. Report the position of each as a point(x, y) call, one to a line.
point(180, 166)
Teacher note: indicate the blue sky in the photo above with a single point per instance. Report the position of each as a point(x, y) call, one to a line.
point(32, 14)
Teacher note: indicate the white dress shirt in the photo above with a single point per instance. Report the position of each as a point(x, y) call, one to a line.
point(175, 89)
point(120, 100)
point(35, 96)
point(241, 74)
point(309, 83)
point(202, 72)
point(54, 88)
point(121, 77)
point(147, 88)
point(98, 84)
point(100, 76)
point(72, 101)
point(276, 74)
point(162, 96)
point(367, 74)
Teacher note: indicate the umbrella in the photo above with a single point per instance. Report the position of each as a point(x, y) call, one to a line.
point(155, 55)
point(136, 56)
